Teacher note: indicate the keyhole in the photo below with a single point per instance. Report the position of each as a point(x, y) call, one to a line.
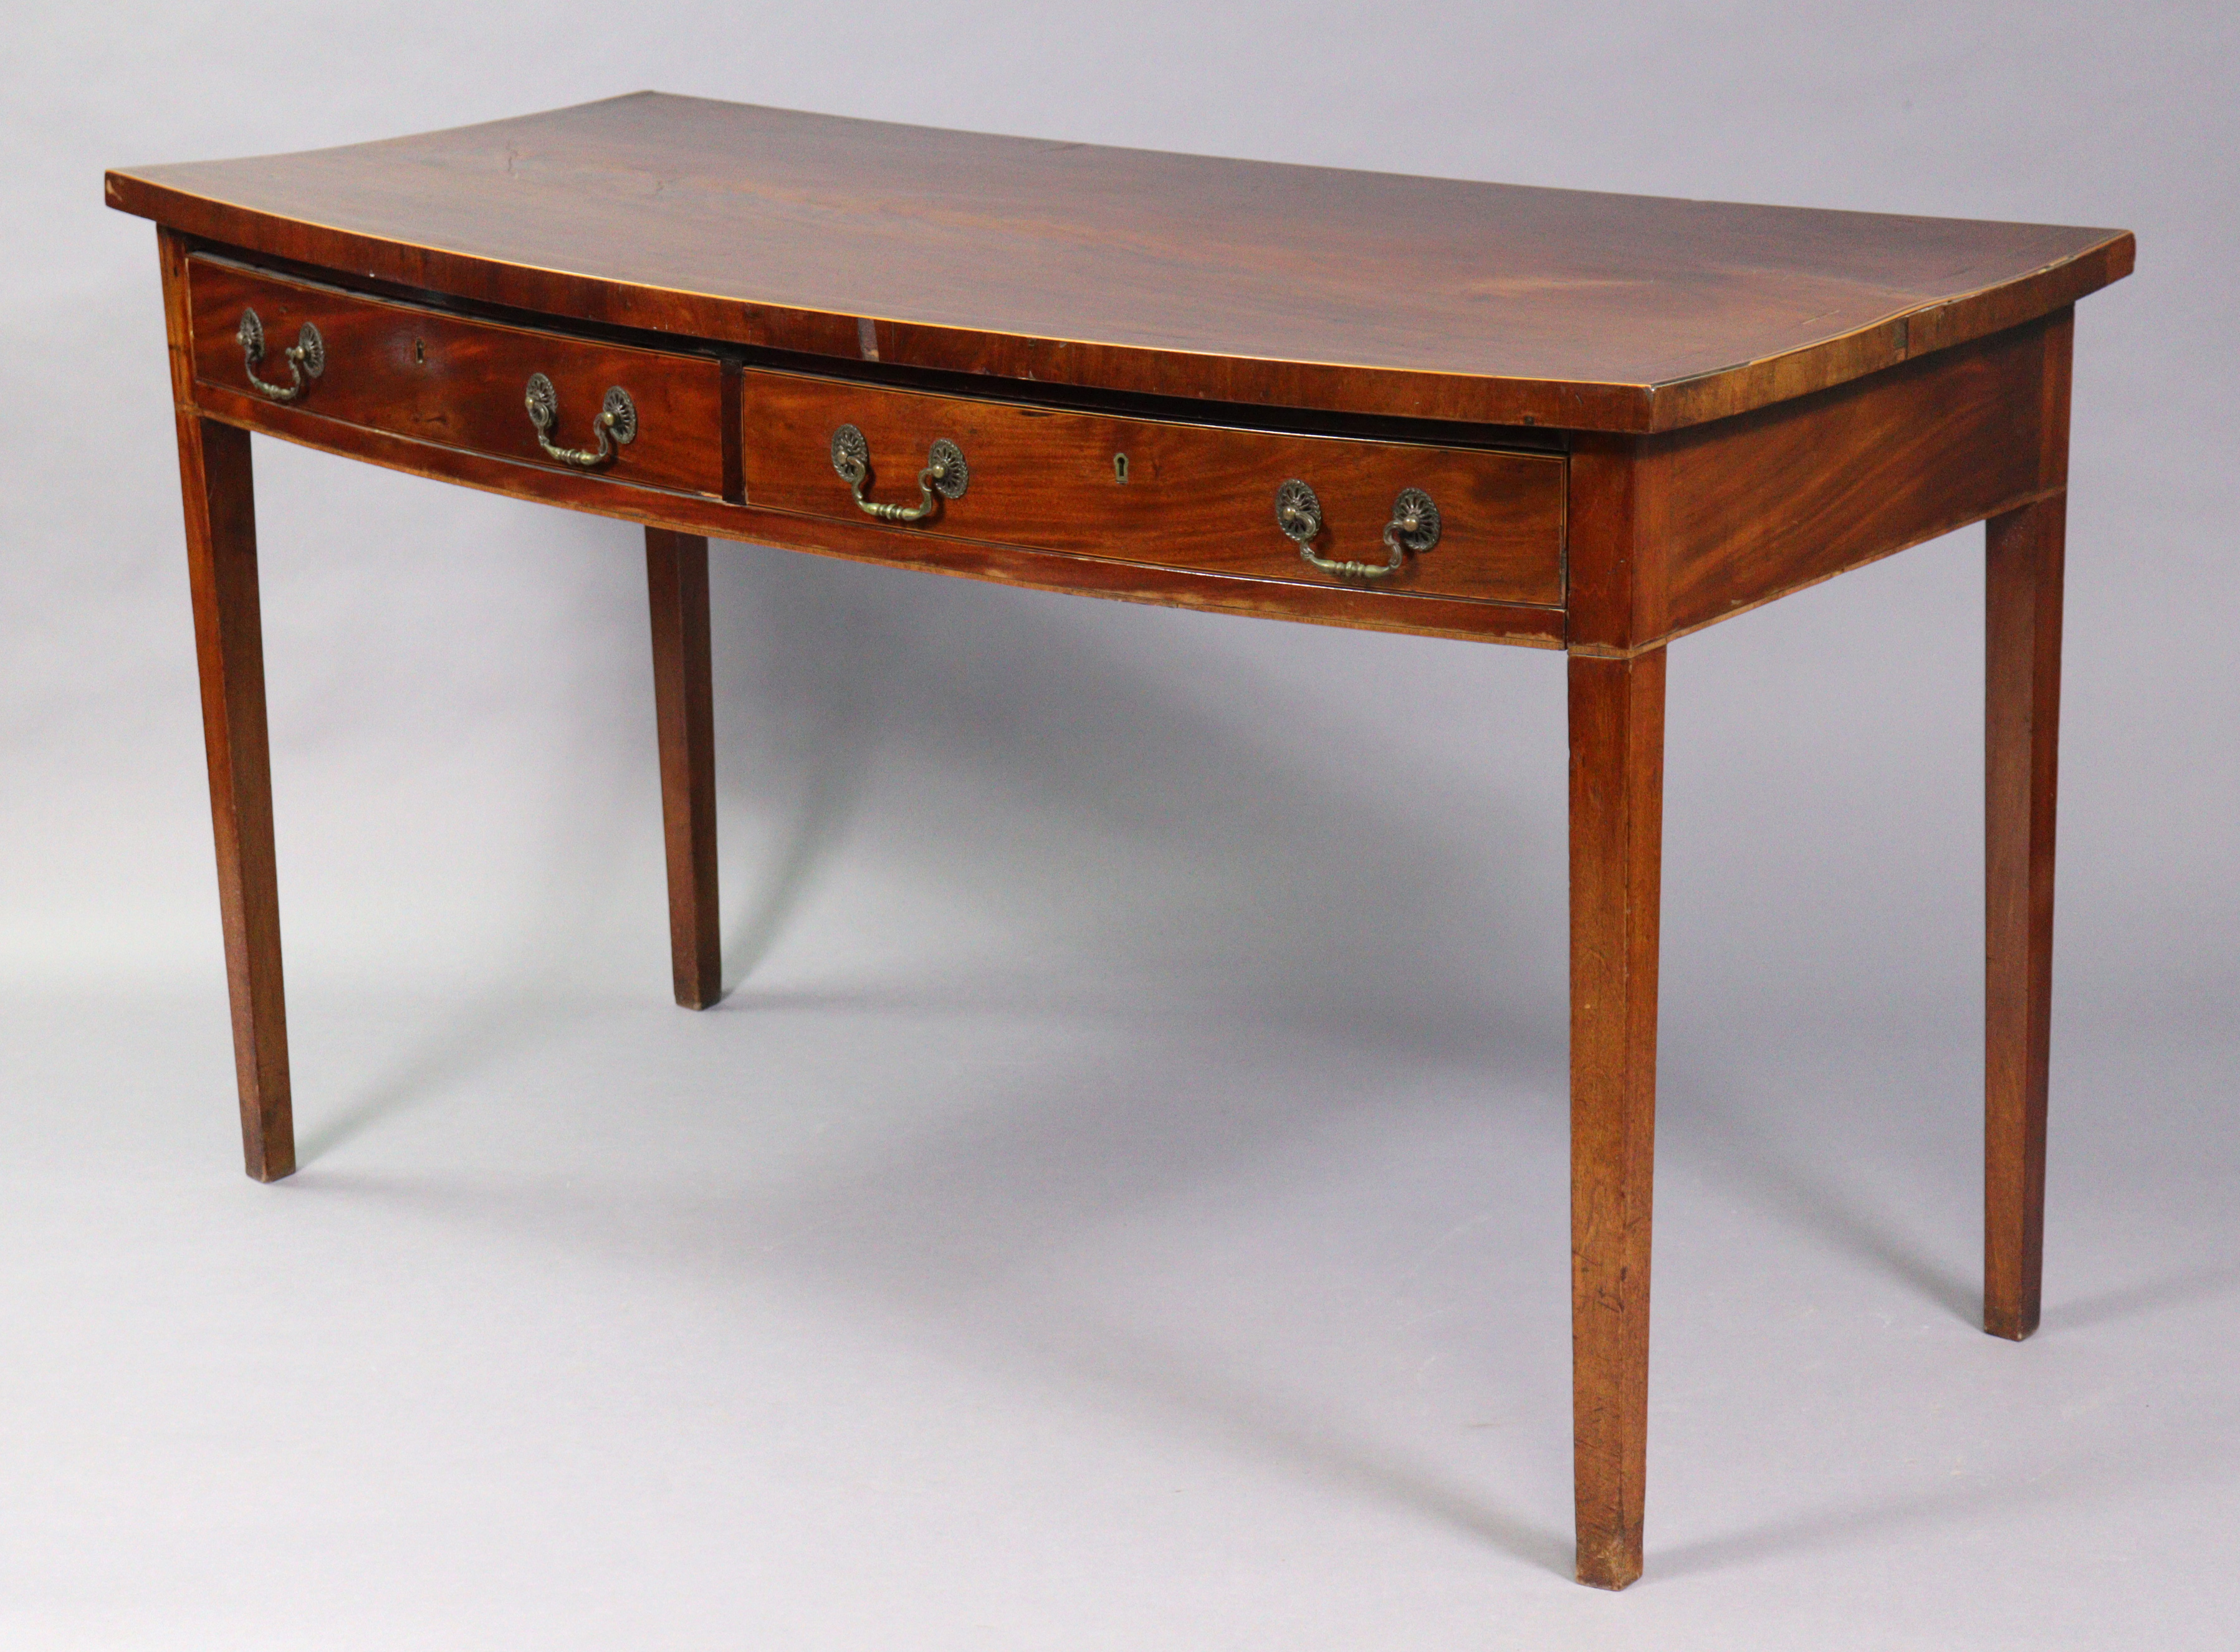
point(1120, 467)
point(420, 352)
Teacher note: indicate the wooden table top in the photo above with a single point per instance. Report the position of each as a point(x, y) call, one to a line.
point(1138, 271)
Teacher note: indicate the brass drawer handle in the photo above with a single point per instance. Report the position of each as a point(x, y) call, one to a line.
point(306, 357)
point(944, 476)
point(1415, 526)
point(617, 423)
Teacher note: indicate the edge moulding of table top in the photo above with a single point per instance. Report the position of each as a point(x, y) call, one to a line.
point(1573, 421)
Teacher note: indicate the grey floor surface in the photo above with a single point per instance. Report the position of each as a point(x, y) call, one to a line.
point(898, 1313)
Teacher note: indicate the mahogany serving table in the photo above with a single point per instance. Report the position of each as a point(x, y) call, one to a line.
point(1575, 422)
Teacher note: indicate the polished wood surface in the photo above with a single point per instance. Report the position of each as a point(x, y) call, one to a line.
point(415, 371)
point(1637, 417)
point(1618, 812)
point(1130, 269)
point(1189, 495)
point(1763, 509)
point(685, 718)
point(1672, 533)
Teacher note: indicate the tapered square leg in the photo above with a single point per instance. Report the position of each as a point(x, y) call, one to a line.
point(684, 710)
point(229, 651)
point(2022, 733)
point(1618, 792)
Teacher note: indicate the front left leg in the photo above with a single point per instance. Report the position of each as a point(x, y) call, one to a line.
point(229, 652)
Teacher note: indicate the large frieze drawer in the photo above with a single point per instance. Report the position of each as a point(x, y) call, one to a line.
point(1475, 523)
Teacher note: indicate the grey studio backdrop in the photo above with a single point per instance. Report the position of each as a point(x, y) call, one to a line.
point(1122, 1203)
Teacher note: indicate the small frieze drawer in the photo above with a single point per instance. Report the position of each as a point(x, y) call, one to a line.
point(650, 418)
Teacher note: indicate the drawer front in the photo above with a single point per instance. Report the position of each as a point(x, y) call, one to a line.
point(1192, 496)
point(436, 378)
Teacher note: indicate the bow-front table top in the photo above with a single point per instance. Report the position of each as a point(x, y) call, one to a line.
point(1139, 271)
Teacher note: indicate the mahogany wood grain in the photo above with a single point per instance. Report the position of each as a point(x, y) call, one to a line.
point(1789, 496)
point(2022, 726)
point(418, 372)
point(1191, 496)
point(220, 531)
point(685, 716)
point(1618, 803)
point(864, 540)
point(1672, 533)
point(1129, 270)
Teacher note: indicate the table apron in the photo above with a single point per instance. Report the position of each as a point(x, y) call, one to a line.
point(1520, 624)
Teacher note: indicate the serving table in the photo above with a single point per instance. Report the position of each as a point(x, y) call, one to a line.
point(1585, 423)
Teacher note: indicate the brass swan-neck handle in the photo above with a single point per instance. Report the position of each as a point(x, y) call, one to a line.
point(1414, 527)
point(943, 477)
point(617, 425)
point(306, 357)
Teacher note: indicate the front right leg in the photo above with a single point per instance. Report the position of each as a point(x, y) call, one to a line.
point(1617, 801)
